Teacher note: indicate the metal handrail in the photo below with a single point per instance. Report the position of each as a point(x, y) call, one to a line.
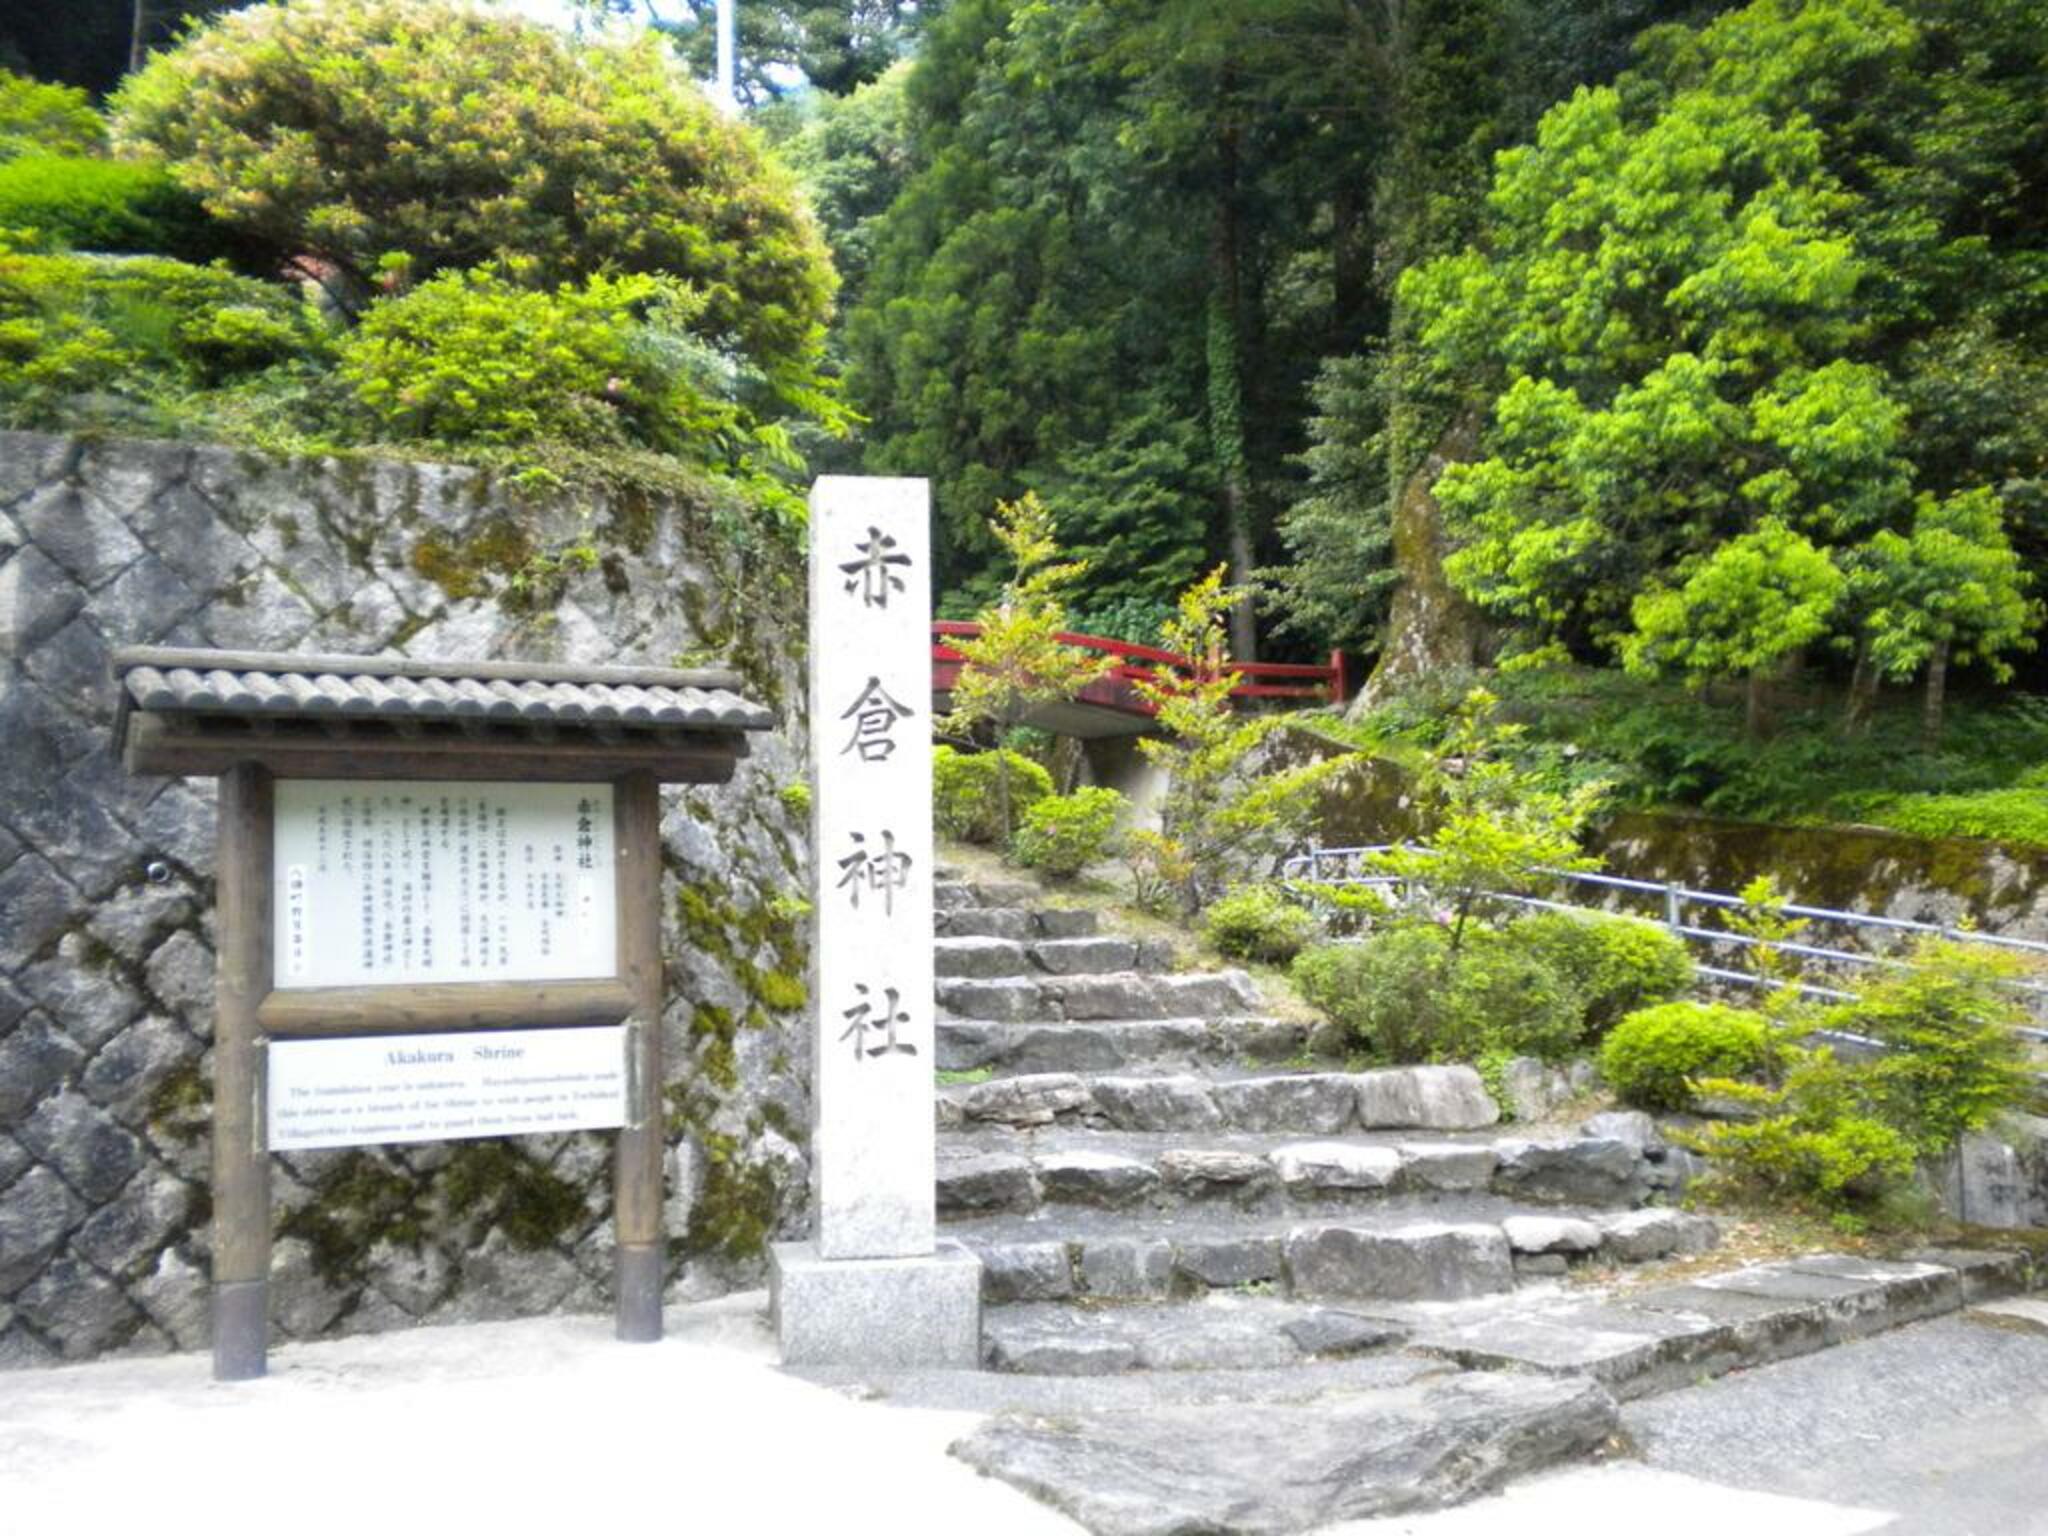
point(1309, 867)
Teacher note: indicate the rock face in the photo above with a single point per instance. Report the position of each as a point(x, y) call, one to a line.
point(106, 958)
point(1290, 1467)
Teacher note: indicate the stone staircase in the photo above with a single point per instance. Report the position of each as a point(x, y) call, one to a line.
point(1228, 1289)
point(1116, 1131)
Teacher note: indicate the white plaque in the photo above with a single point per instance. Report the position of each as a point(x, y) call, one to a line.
point(871, 735)
point(386, 882)
point(369, 1090)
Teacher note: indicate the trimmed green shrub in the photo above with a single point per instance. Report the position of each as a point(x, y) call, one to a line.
point(36, 117)
point(1617, 964)
point(82, 203)
point(1063, 834)
point(455, 136)
point(1407, 996)
point(964, 792)
point(1956, 1060)
point(1814, 1141)
point(140, 326)
point(1653, 1057)
point(474, 357)
point(1259, 922)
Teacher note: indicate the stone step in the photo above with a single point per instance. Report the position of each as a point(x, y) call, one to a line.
point(963, 895)
point(1020, 1172)
point(1302, 1463)
point(982, 957)
point(1220, 1332)
point(1114, 1045)
point(1407, 1250)
point(1652, 1340)
point(1016, 923)
point(1116, 995)
point(1450, 1098)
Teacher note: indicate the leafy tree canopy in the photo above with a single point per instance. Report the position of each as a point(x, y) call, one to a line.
point(1709, 316)
point(404, 137)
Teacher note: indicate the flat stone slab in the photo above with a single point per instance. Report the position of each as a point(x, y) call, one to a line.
point(1671, 1336)
point(1203, 1471)
point(1225, 1333)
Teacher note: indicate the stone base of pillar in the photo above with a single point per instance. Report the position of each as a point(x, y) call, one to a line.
point(898, 1313)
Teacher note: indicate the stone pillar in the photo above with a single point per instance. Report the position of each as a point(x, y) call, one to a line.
point(873, 1286)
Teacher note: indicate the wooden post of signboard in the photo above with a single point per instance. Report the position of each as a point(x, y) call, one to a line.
point(241, 1165)
point(638, 1262)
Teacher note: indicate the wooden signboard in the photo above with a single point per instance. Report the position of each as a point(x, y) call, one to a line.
point(438, 912)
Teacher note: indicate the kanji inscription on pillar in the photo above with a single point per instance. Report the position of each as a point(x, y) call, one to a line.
point(871, 804)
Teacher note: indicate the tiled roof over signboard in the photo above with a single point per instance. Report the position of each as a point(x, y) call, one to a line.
point(220, 697)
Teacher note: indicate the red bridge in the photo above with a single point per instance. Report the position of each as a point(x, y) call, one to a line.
point(1111, 706)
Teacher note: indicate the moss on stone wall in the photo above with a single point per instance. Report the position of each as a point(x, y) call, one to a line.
point(736, 1203)
point(495, 1184)
point(358, 1203)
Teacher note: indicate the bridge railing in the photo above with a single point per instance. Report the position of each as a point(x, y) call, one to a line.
point(1671, 905)
point(1307, 681)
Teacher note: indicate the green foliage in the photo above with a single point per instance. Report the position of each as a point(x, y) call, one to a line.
point(1494, 830)
point(90, 204)
point(1616, 964)
point(964, 792)
point(1845, 1135)
point(2018, 817)
point(1812, 1141)
point(1018, 662)
point(1223, 809)
point(1407, 995)
point(1258, 922)
point(1339, 531)
point(833, 45)
point(1742, 609)
point(451, 136)
point(1662, 744)
point(70, 324)
point(851, 155)
point(1656, 1057)
point(1063, 834)
point(1714, 323)
point(43, 119)
point(477, 357)
point(1950, 1020)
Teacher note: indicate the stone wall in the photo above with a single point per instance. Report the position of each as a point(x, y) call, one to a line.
point(106, 959)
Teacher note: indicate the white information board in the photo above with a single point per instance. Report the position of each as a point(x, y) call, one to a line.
point(381, 883)
point(365, 1091)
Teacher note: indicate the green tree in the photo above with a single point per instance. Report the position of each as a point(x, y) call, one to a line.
point(36, 118)
point(409, 136)
point(1018, 662)
point(1950, 590)
point(1718, 295)
point(1742, 610)
point(1494, 829)
point(836, 46)
point(1226, 812)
